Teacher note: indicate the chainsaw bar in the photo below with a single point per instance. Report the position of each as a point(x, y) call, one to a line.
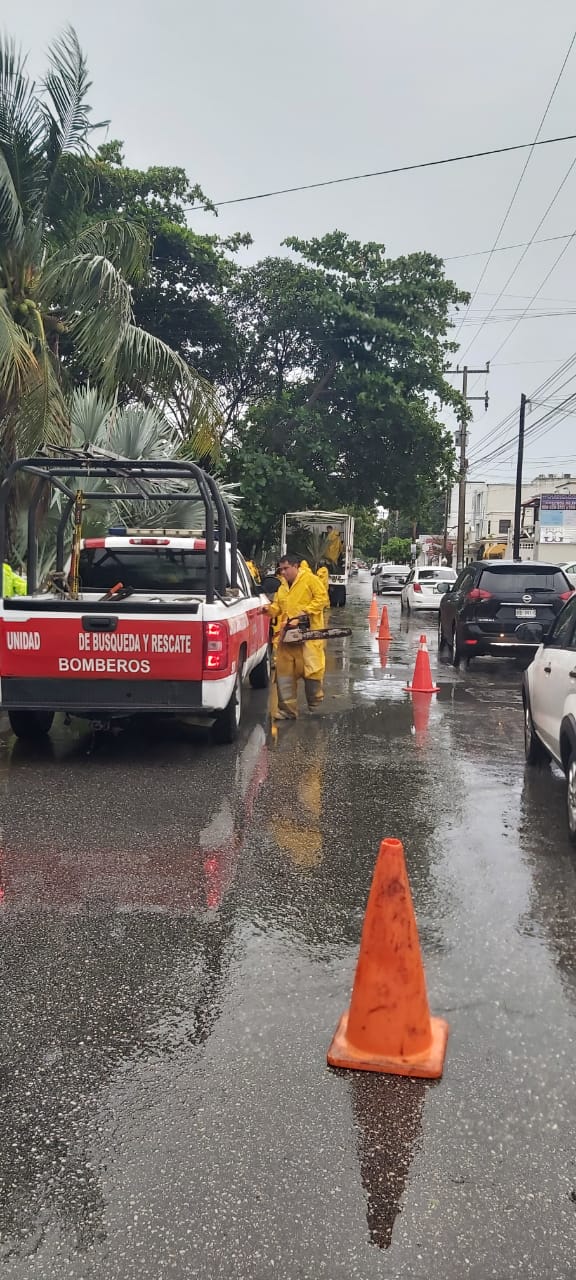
point(293, 635)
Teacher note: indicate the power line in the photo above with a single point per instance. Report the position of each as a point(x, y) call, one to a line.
point(384, 173)
point(545, 423)
point(545, 386)
point(523, 255)
point(521, 178)
point(535, 295)
point(504, 248)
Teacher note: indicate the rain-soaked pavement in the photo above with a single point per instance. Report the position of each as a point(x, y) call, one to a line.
point(178, 933)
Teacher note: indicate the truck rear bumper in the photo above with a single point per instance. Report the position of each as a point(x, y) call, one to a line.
point(116, 697)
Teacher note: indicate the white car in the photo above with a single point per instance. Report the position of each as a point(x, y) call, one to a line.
point(570, 571)
point(389, 579)
point(421, 587)
point(549, 697)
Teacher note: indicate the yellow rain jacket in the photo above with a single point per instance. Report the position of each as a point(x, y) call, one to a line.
point(334, 546)
point(254, 571)
point(12, 583)
point(300, 661)
point(324, 576)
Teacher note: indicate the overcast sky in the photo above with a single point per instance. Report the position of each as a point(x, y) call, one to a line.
point(249, 95)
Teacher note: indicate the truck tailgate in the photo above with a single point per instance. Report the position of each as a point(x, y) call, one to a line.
point(101, 644)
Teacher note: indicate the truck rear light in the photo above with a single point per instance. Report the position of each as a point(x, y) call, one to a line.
point(416, 586)
point(149, 542)
point(477, 593)
point(215, 646)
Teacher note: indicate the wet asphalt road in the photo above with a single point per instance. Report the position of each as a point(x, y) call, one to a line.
point(178, 933)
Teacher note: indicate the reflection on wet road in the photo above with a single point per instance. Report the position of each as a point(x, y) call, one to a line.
point(178, 931)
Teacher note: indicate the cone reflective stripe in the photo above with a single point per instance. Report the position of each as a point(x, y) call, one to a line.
point(384, 632)
point(373, 610)
point(388, 1027)
point(422, 678)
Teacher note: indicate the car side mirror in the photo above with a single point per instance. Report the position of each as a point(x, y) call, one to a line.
point(443, 588)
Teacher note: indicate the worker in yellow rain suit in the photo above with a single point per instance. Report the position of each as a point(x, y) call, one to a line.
point(254, 572)
point(334, 545)
point(302, 592)
point(324, 576)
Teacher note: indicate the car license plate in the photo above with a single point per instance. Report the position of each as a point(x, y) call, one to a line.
point(525, 613)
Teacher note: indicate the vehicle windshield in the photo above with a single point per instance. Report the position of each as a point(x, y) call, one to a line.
point(166, 569)
point(529, 579)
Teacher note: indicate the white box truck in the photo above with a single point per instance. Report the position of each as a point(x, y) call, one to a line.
point(322, 538)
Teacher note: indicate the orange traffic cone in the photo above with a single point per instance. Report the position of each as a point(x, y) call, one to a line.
point(422, 679)
point(383, 649)
point(373, 625)
point(388, 1026)
point(384, 632)
point(373, 610)
point(421, 703)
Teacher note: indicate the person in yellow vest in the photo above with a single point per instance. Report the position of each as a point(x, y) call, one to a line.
point(301, 592)
point(13, 584)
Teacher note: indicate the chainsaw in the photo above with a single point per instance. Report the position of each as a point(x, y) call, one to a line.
point(297, 630)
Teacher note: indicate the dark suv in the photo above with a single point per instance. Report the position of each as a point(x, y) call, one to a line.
point(487, 608)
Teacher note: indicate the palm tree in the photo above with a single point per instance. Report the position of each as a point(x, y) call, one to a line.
point(132, 431)
point(65, 288)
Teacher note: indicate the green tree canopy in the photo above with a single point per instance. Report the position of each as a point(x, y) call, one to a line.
point(344, 351)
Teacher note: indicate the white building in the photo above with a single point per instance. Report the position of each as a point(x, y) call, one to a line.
point(490, 513)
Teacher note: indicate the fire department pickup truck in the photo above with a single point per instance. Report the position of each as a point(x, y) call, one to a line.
point(139, 621)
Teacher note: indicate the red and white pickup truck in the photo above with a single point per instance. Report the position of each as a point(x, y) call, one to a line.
point(156, 624)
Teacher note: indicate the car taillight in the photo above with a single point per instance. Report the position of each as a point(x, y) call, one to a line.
point(478, 594)
point(565, 595)
point(417, 587)
point(215, 646)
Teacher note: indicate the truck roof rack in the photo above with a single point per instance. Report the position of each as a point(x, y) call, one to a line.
point(54, 467)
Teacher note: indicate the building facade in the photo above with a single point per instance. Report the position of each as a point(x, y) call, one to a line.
point(490, 515)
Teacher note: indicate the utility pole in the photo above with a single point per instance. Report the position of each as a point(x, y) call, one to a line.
point(461, 441)
point(518, 500)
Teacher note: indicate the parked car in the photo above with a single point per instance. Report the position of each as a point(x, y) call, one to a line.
point(390, 578)
point(549, 696)
point(485, 610)
point(421, 588)
point(570, 571)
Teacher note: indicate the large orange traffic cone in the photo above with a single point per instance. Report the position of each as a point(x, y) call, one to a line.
point(388, 1026)
point(384, 632)
point(422, 678)
point(373, 610)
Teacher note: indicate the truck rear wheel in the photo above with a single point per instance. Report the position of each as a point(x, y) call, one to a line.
point(260, 675)
point(227, 722)
point(30, 725)
point(337, 597)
